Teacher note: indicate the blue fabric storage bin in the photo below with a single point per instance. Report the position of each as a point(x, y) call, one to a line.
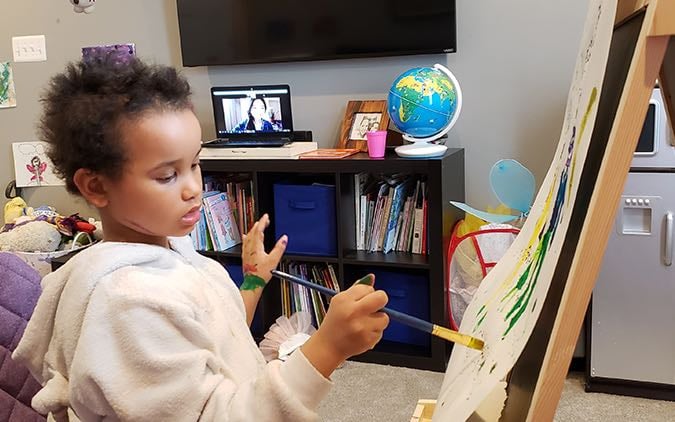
point(306, 213)
point(408, 293)
point(237, 274)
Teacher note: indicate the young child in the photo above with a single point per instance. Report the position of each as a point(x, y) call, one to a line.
point(141, 327)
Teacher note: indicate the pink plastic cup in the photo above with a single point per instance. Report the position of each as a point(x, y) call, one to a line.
point(377, 141)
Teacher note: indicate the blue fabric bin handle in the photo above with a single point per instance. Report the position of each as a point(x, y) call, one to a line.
point(302, 205)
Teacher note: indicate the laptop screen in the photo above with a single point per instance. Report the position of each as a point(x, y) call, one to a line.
point(242, 111)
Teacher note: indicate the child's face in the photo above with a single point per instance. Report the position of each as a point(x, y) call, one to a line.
point(160, 191)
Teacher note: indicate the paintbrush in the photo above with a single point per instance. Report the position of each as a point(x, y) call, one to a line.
point(410, 321)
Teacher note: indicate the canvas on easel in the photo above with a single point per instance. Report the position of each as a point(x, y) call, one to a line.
point(551, 267)
point(640, 49)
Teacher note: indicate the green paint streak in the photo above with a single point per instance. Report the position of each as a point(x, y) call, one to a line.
point(520, 298)
point(523, 301)
point(520, 284)
point(481, 366)
point(480, 321)
point(493, 368)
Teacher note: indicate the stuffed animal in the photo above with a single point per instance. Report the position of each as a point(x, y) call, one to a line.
point(86, 6)
point(15, 208)
point(36, 236)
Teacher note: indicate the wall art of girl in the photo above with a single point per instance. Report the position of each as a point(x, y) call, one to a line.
point(36, 168)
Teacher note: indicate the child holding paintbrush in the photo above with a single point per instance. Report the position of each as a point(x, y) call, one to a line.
point(140, 327)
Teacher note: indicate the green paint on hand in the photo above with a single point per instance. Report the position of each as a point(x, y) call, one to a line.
point(368, 280)
point(252, 282)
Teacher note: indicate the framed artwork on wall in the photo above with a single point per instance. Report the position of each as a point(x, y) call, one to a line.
point(361, 117)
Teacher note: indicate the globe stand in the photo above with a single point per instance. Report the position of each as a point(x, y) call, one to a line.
point(421, 150)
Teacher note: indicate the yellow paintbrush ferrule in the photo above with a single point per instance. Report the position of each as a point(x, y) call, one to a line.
point(455, 337)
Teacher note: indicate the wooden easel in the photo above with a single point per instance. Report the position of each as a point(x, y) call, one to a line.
point(643, 45)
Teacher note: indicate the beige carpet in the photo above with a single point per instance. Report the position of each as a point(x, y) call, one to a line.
point(366, 392)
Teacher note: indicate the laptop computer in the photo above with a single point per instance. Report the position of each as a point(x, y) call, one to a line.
point(251, 116)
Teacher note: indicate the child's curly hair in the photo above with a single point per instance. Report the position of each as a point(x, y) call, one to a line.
point(84, 106)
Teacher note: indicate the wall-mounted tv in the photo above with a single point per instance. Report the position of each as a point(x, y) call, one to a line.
point(224, 32)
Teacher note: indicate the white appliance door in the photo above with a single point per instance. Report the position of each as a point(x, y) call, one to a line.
point(633, 314)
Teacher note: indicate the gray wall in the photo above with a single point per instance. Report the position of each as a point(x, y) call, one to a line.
point(514, 64)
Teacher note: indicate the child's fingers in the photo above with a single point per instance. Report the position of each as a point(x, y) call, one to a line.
point(373, 302)
point(357, 291)
point(379, 321)
point(279, 248)
point(263, 223)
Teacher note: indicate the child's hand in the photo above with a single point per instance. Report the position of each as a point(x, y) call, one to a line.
point(255, 261)
point(353, 325)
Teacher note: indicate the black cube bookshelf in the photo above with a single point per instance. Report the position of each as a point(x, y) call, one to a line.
point(445, 182)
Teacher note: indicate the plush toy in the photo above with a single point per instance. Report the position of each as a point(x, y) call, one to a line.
point(86, 6)
point(15, 208)
point(36, 236)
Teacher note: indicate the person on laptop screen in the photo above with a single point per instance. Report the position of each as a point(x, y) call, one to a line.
point(257, 119)
point(256, 116)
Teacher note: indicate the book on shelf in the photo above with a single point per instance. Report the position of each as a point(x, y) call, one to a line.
point(387, 212)
point(328, 153)
point(220, 221)
point(360, 208)
point(295, 298)
point(239, 190)
point(394, 215)
point(291, 150)
point(419, 221)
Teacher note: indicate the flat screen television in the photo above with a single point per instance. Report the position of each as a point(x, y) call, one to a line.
point(224, 32)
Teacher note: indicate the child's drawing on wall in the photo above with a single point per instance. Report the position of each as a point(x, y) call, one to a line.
point(32, 166)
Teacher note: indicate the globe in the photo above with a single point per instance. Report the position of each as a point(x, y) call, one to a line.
point(424, 103)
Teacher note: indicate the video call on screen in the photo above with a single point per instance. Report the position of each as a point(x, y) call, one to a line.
point(264, 107)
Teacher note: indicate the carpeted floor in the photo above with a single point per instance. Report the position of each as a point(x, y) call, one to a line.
point(376, 393)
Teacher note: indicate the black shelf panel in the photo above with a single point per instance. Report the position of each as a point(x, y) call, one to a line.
point(391, 259)
point(233, 252)
point(352, 164)
point(311, 258)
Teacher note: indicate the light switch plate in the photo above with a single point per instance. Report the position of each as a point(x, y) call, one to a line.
point(30, 48)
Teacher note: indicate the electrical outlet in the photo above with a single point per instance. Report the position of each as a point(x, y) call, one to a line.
point(31, 48)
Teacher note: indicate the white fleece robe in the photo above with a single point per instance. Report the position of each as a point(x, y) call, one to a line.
point(136, 332)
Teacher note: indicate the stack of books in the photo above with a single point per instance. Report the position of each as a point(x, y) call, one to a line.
point(390, 213)
point(295, 298)
point(227, 212)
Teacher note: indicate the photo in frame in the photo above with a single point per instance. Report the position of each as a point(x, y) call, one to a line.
point(361, 117)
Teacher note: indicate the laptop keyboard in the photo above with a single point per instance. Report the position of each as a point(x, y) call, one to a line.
point(243, 143)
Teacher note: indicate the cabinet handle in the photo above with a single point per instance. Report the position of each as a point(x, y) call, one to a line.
point(302, 205)
point(668, 259)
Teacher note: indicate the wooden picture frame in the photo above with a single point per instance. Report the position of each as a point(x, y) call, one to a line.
point(362, 116)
